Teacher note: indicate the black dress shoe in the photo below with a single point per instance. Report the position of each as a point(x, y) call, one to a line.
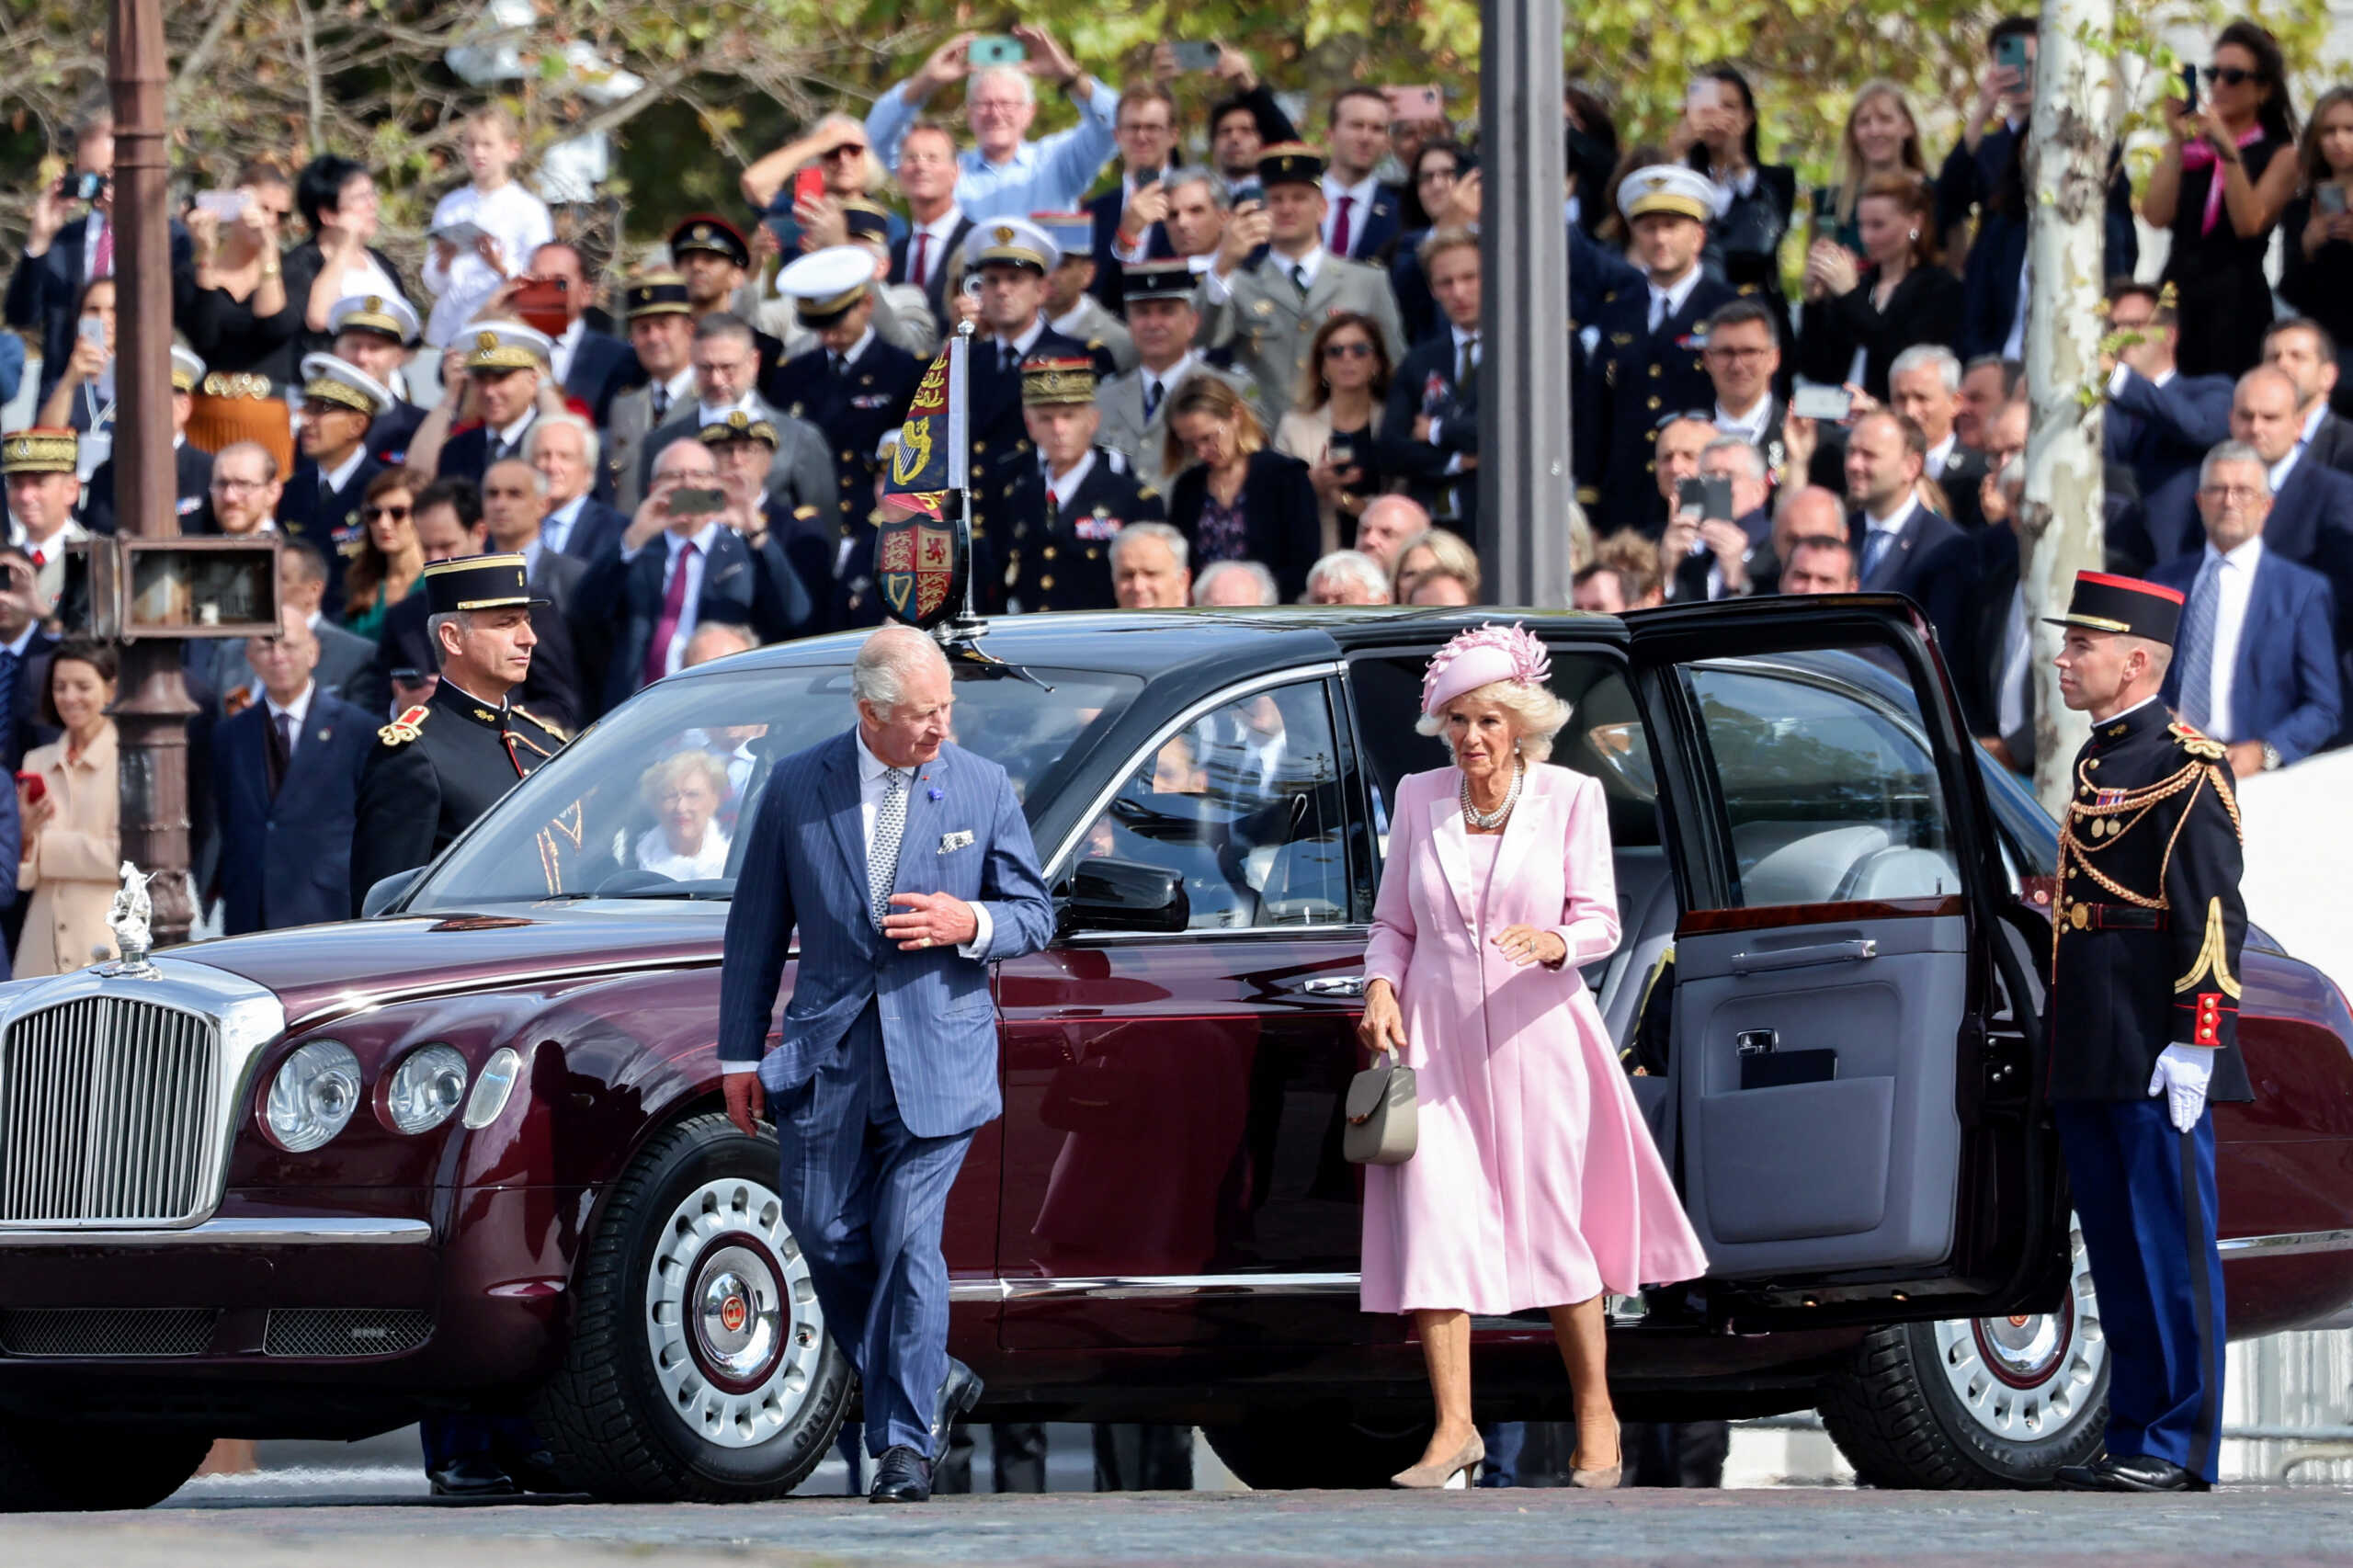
point(959, 1392)
point(901, 1475)
point(534, 1472)
point(2130, 1472)
point(470, 1475)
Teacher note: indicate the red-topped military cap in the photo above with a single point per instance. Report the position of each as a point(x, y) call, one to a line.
point(2104, 602)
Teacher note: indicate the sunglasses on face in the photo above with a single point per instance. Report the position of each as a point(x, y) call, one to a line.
point(2229, 75)
point(398, 514)
point(858, 152)
point(1347, 351)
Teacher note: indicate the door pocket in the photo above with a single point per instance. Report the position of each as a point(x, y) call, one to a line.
point(1780, 1069)
point(1773, 1176)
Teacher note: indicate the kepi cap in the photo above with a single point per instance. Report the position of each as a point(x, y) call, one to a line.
point(656, 294)
point(326, 379)
point(478, 582)
point(1291, 163)
point(508, 345)
point(1015, 240)
point(187, 369)
point(866, 219)
point(709, 231)
point(386, 313)
point(1045, 383)
point(1667, 188)
point(1156, 280)
point(824, 285)
point(2125, 606)
point(40, 449)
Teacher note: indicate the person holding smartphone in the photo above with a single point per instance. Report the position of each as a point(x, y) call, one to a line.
point(1007, 174)
point(2219, 186)
point(2316, 264)
point(1754, 200)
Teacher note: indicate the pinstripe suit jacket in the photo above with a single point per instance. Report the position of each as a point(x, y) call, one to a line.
point(805, 866)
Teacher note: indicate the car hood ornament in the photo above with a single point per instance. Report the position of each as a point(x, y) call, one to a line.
point(129, 921)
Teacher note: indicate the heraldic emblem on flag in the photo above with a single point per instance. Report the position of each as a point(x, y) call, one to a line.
point(919, 560)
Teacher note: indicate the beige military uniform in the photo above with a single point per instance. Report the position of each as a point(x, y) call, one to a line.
point(1097, 328)
point(1269, 327)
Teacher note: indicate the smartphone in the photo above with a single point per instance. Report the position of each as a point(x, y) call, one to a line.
point(82, 187)
point(695, 502)
point(1415, 103)
point(1821, 402)
point(1715, 499)
point(1342, 451)
point(405, 676)
point(541, 302)
point(1700, 95)
point(2189, 88)
point(995, 49)
point(35, 787)
point(91, 330)
point(2010, 53)
point(1691, 495)
point(809, 185)
point(1248, 190)
point(462, 234)
point(2330, 198)
point(1194, 56)
point(227, 204)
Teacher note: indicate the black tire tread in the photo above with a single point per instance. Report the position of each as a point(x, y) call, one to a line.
point(1881, 1413)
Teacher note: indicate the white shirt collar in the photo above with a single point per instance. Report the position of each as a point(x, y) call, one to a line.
point(2244, 559)
point(865, 341)
point(1360, 195)
point(1066, 485)
point(1312, 259)
point(1751, 424)
point(340, 475)
point(1677, 294)
point(702, 539)
point(1941, 453)
point(870, 768)
point(563, 515)
point(1462, 335)
point(22, 639)
point(2312, 422)
point(1894, 521)
point(1023, 344)
point(681, 386)
point(299, 709)
point(940, 228)
point(513, 434)
point(1171, 376)
point(2283, 468)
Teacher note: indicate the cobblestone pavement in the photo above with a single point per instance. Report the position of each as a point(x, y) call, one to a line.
point(2276, 1526)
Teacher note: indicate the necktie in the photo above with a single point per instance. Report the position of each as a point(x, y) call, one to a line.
point(1876, 542)
point(2197, 642)
point(841, 368)
point(1299, 278)
point(278, 752)
point(104, 265)
point(920, 272)
point(1466, 362)
point(1150, 397)
point(661, 400)
point(882, 855)
point(1340, 234)
point(674, 608)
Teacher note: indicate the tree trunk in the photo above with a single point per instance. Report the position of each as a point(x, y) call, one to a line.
point(2061, 523)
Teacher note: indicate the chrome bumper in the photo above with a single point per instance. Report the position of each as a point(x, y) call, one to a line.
point(326, 1232)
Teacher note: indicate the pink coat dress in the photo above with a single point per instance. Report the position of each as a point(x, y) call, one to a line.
point(1534, 1182)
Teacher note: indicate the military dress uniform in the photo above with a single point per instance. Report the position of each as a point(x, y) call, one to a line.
point(389, 316)
point(1638, 374)
point(309, 508)
point(1058, 554)
point(1262, 319)
point(1129, 428)
point(1001, 446)
point(629, 418)
point(1106, 335)
point(2149, 926)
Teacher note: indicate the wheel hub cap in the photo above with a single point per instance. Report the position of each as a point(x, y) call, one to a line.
point(2027, 1378)
point(732, 1320)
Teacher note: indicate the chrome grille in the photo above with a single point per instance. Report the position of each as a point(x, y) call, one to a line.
point(345, 1331)
point(107, 1331)
point(109, 1113)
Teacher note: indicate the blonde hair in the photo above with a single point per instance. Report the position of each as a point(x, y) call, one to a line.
point(1213, 396)
point(1454, 558)
point(673, 769)
point(1537, 714)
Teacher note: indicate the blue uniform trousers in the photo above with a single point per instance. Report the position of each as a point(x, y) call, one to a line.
point(2144, 1195)
point(866, 1198)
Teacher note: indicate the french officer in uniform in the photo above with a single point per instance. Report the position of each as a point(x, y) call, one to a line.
point(1158, 298)
point(715, 259)
point(851, 384)
point(791, 543)
point(2144, 1001)
point(1071, 309)
point(1647, 362)
point(191, 465)
point(1068, 506)
point(375, 332)
point(321, 501)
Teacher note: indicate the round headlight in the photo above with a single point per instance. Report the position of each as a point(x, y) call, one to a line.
point(313, 1096)
point(425, 1088)
point(496, 1082)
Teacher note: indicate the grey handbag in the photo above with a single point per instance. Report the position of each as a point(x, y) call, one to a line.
point(1384, 1122)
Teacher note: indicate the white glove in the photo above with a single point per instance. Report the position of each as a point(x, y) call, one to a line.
point(2181, 1075)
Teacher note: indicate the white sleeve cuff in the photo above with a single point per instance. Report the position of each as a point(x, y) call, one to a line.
point(737, 1069)
point(982, 928)
point(2118, 378)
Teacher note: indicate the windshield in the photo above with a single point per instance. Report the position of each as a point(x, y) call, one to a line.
point(649, 802)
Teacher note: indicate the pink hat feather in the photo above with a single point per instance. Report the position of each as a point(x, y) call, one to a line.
point(1482, 656)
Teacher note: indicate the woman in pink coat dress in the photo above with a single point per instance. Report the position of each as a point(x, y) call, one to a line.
point(1535, 1183)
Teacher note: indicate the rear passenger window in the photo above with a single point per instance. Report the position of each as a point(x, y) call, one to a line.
point(1828, 781)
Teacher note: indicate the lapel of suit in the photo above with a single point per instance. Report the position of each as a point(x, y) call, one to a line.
point(2261, 617)
point(311, 738)
point(727, 574)
point(843, 813)
point(922, 834)
point(2289, 529)
point(1324, 293)
point(1451, 840)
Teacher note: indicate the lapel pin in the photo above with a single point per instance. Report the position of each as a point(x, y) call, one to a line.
point(938, 793)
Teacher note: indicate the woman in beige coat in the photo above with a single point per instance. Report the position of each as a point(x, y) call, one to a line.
point(73, 851)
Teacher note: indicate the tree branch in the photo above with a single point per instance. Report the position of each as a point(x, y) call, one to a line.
point(200, 59)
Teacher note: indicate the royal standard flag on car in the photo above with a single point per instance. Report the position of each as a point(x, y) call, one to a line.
point(933, 444)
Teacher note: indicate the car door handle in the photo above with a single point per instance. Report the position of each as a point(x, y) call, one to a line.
point(1805, 958)
point(1335, 986)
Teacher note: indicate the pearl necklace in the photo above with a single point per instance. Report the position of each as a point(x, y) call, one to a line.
point(1485, 820)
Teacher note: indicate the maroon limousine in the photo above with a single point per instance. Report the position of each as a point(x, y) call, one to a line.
point(468, 1154)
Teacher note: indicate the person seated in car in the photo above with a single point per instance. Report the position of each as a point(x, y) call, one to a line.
point(685, 791)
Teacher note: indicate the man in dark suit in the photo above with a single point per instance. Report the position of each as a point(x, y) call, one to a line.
point(286, 790)
point(320, 504)
point(937, 226)
point(191, 466)
point(1728, 556)
point(2302, 350)
point(2255, 661)
point(585, 361)
point(1363, 214)
point(1429, 433)
point(727, 370)
point(1924, 386)
point(1128, 220)
point(25, 649)
point(506, 362)
point(1981, 619)
point(907, 866)
point(1893, 535)
point(2160, 422)
point(513, 501)
point(564, 449)
point(1742, 360)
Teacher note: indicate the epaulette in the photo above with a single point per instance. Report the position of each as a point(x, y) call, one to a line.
point(406, 728)
point(556, 730)
point(1146, 493)
point(2198, 744)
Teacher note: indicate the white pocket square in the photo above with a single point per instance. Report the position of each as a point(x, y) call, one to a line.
point(951, 842)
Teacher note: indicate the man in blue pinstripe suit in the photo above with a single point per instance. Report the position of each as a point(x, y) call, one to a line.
point(906, 864)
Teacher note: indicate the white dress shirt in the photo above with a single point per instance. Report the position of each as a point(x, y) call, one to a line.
point(1361, 199)
point(1892, 525)
point(508, 440)
point(566, 344)
point(1941, 454)
point(298, 711)
point(555, 529)
point(340, 475)
point(2312, 421)
point(1167, 380)
point(2283, 468)
point(1674, 296)
point(1750, 425)
point(2234, 586)
point(873, 783)
point(935, 249)
point(1061, 485)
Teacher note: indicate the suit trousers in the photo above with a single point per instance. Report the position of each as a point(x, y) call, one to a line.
point(2144, 1196)
point(867, 1198)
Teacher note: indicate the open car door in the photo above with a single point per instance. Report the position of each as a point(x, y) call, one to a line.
point(1855, 1034)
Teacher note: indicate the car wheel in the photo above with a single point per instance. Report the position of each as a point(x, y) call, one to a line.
point(46, 1468)
point(1322, 1451)
point(1976, 1403)
point(699, 1367)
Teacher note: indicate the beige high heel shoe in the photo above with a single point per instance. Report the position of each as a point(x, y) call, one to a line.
point(1460, 1471)
point(1602, 1479)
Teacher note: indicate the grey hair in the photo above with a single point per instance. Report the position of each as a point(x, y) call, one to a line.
point(1013, 74)
point(539, 480)
point(1947, 364)
point(1268, 594)
point(460, 618)
point(1166, 535)
point(1198, 173)
point(886, 659)
point(1750, 458)
point(1350, 567)
point(1539, 713)
point(591, 443)
point(2235, 453)
point(743, 638)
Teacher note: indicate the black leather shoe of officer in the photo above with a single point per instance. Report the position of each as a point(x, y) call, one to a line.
point(959, 1392)
point(901, 1475)
point(534, 1472)
point(2130, 1472)
point(471, 1475)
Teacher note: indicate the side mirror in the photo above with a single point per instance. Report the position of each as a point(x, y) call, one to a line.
point(1125, 895)
point(382, 896)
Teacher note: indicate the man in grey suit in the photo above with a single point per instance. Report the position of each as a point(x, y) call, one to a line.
point(302, 589)
point(661, 331)
point(727, 364)
point(907, 865)
point(1266, 312)
point(1158, 298)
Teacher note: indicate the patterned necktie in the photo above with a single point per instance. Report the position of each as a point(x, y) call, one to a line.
point(661, 400)
point(882, 855)
point(102, 265)
point(1299, 278)
point(1150, 397)
point(2196, 643)
point(1876, 542)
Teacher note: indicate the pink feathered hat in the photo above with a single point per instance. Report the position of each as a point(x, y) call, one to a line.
point(1480, 657)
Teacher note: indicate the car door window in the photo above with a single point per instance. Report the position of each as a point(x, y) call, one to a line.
point(1246, 805)
point(1828, 783)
